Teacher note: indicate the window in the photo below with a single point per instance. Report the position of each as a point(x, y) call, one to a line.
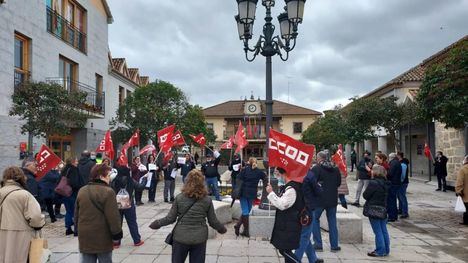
point(210, 126)
point(99, 97)
point(21, 59)
point(297, 127)
point(129, 93)
point(66, 19)
point(68, 73)
point(121, 95)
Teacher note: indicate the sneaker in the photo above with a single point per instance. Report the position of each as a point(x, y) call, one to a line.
point(166, 201)
point(438, 189)
point(69, 232)
point(374, 254)
point(444, 190)
point(116, 245)
point(404, 216)
point(318, 249)
point(139, 203)
point(139, 243)
point(355, 204)
point(53, 220)
point(392, 220)
point(336, 249)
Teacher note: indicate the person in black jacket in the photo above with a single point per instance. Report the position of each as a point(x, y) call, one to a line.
point(123, 180)
point(211, 173)
point(364, 169)
point(47, 186)
point(153, 170)
point(85, 165)
point(235, 167)
point(169, 181)
point(70, 171)
point(250, 176)
point(30, 169)
point(311, 190)
point(376, 195)
point(394, 177)
point(289, 202)
point(329, 178)
point(188, 166)
point(440, 169)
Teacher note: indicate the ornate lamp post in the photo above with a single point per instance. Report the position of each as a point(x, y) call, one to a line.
point(269, 45)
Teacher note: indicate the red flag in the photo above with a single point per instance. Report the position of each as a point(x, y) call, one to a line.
point(164, 143)
point(228, 144)
point(107, 146)
point(167, 156)
point(249, 130)
point(240, 139)
point(339, 160)
point(293, 156)
point(46, 161)
point(133, 141)
point(427, 151)
point(199, 139)
point(178, 138)
point(123, 159)
point(147, 148)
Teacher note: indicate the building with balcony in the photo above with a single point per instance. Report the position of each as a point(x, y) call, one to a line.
point(63, 42)
point(452, 142)
point(289, 119)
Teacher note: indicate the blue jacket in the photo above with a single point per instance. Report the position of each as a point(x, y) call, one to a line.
point(311, 190)
point(250, 178)
point(186, 168)
point(394, 174)
point(48, 183)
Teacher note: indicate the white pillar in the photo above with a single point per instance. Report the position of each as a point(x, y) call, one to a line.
point(382, 144)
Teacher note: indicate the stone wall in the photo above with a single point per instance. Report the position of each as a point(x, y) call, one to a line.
point(452, 143)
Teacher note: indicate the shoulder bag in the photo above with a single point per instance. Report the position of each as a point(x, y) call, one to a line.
point(170, 237)
point(63, 188)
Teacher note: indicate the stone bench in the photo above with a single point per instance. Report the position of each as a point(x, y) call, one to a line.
point(236, 211)
point(223, 211)
point(261, 223)
point(349, 225)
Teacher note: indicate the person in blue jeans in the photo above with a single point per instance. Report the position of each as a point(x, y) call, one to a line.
point(402, 200)
point(329, 179)
point(311, 190)
point(250, 176)
point(70, 171)
point(211, 173)
point(376, 195)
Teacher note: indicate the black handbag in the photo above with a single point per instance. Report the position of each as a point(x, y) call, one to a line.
point(375, 211)
point(170, 237)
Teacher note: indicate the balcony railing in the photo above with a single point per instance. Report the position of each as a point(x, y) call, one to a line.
point(95, 100)
point(58, 26)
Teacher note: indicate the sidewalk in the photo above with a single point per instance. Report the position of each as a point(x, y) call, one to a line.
point(431, 234)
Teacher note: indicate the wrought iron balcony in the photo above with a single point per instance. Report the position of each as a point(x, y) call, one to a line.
point(95, 100)
point(58, 26)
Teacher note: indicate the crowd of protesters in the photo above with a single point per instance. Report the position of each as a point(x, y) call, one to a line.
point(94, 215)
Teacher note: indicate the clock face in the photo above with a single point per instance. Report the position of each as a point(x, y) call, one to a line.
point(252, 108)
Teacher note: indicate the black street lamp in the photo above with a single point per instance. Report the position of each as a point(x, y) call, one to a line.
point(269, 45)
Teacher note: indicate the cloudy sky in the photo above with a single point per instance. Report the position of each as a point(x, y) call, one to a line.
point(345, 48)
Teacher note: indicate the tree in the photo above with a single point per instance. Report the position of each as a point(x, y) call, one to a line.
point(359, 117)
point(47, 109)
point(327, 130)
point(443, 95)
point(153, 107)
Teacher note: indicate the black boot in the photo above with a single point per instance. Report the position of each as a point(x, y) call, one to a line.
point(69, 231)
point(245, 232)
point(238, 225)
point(344, 205)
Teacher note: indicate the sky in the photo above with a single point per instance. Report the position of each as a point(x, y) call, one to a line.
point(344, 47)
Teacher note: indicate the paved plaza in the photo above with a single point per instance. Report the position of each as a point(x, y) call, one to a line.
point(431, 234)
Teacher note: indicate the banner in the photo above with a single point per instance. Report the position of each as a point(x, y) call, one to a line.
point(240, 140)
point(163, 135)
point(228, 144)
point(178, 139)
point(293, 156)
point(147, 148)
point(199, 139)
point(46, 161)
point(427, 151)
point(339, 160)
point(107, 146)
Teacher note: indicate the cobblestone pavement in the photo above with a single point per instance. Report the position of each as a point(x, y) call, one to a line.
point(431, 234)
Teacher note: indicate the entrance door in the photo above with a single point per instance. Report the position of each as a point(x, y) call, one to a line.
point(61, 145)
